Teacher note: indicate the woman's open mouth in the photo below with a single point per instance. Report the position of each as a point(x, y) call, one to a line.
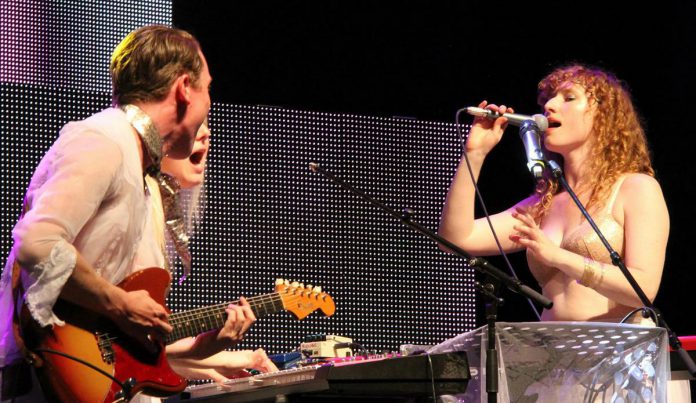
point(197, 157)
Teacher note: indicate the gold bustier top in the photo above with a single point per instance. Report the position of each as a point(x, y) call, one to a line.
point(585, 242)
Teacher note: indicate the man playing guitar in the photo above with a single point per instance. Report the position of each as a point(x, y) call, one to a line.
point(86, 206)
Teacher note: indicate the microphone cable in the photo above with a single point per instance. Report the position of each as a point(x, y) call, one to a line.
point(462, 141)
point(645, 312)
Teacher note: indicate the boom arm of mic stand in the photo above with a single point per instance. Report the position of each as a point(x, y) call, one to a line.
point(478, 263)
point(618, 262)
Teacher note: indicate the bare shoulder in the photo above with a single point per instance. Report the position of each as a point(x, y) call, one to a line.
point(641, 194)
point(640, 185)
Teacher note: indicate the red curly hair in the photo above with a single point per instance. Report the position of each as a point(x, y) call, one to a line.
point(618, 143)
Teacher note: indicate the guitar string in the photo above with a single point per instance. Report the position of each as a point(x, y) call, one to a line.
point(273, 298)
point(213, 312)
point(188, 323)
point(184, 323)
point(259, 304)
point(275, 295)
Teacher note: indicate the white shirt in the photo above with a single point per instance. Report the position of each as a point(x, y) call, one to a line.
point(87, 194)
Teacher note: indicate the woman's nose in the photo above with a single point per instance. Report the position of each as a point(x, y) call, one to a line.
point(550, 106)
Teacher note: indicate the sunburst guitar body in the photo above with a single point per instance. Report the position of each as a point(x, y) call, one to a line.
point(90, 360)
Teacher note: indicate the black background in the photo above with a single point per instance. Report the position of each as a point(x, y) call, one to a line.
point(425, 60)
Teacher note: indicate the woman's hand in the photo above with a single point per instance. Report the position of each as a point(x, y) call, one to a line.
point(223, 365)
point(533, 238)
point(486, 133)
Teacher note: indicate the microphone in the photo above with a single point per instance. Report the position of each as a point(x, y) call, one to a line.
point(530, 129)
point(529, 133)
point(514, 119)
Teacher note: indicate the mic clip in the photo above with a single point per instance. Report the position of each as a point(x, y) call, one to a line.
point(537, 169)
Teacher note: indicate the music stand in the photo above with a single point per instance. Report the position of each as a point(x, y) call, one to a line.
point(568, 361)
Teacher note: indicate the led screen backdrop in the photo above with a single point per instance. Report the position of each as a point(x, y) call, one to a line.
point(267, 215)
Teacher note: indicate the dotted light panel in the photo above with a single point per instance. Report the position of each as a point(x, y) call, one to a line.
point(68, 43)
point(268, 216)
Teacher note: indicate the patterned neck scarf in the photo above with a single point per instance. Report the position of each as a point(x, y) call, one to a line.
point(168, 185)
point(173, 218)
point(148, 134)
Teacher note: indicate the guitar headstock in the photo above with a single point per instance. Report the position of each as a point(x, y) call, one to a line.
point(301, 300)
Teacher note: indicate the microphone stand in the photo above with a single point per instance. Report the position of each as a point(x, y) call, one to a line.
point(489, 289)
point(616, 260)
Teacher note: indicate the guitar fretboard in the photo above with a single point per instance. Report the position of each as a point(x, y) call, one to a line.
point(196, 321)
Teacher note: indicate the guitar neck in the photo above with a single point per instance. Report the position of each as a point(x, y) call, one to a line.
point(196, 321)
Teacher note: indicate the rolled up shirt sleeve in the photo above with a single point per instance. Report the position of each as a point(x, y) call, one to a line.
point(72, 183)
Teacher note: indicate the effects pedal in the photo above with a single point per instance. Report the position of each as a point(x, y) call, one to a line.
point(326, 346)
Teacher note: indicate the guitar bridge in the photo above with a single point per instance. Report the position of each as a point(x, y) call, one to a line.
point(104, 343)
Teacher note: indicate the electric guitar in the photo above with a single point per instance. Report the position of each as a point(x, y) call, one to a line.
point(90, 360)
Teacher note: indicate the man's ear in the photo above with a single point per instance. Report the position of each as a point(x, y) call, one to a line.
point(183, 88)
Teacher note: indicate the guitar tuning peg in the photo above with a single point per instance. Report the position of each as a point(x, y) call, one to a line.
point(287, 282)
point(308, 287)
point(279, 281)
point(295, 284)
point(301, 285)
point(317, 289)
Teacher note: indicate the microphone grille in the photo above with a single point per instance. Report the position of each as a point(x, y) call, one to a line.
point(541, 122)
